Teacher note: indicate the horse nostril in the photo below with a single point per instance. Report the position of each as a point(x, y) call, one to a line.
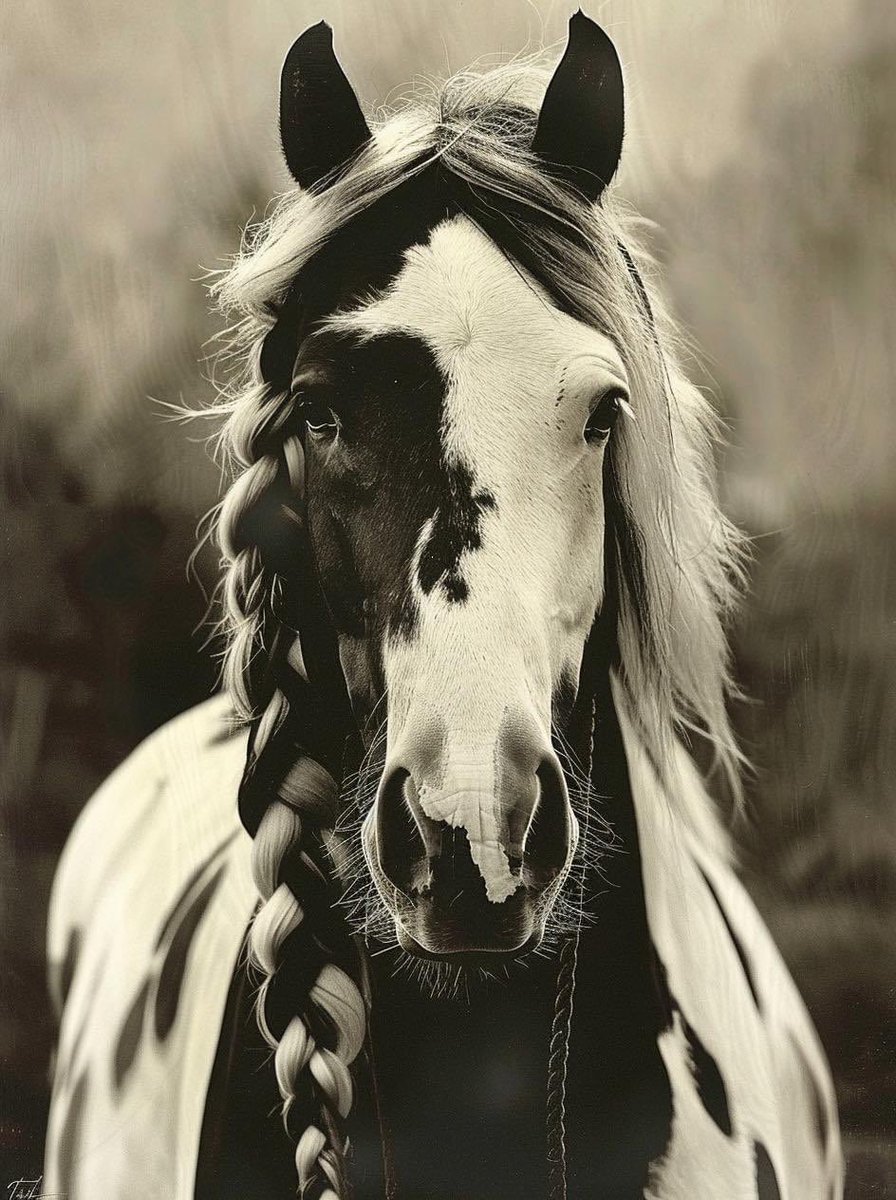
point(400, 845)
point(548, 839)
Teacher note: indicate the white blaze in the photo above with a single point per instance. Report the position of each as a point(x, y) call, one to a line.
point(520, 378)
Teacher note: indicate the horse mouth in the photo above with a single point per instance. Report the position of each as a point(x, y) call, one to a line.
point(470, 958)
point(463, 928)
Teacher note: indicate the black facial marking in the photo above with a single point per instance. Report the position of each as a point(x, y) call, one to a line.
point(171, 976)
point(735, 941)
point(129, 1038)
point(371, 492)
point(708, 1078)
point(766, 1179)
point(455, 531)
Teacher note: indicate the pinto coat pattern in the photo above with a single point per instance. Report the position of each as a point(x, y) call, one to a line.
point(475, 582)
point(159, 915)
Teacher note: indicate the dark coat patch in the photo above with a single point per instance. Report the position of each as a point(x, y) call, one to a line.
point(710, 1085)
point(176, 914)
point(129, 1037)
point(171, 976)
point(766, 1178)
point(819, 1108)
point(64, 974)
point(735, 941)
point(707, 1076)
point(455, 531)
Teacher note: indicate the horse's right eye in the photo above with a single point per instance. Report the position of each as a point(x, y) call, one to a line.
point(319, 418)
point(313, 395)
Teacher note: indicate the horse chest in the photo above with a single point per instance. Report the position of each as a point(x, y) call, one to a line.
point(462, 1081)
point(681, 1040)
point(462, 1085)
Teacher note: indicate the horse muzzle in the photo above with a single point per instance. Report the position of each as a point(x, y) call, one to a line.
point(469, 846)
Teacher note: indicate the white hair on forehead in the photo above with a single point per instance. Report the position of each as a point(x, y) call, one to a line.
point(681, 559)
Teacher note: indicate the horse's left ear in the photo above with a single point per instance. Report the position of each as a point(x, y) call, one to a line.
point(321, 123)
point(581, 123)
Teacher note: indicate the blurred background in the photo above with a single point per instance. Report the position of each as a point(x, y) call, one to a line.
point(136, 142)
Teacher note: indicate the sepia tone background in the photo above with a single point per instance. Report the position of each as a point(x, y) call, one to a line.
point(136, 142)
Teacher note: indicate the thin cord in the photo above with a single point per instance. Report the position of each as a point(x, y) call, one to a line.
point(387, 1150)
point(558, 1054)
point(561, 1029)
point(557, 1065)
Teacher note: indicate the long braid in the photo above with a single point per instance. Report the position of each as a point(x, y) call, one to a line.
point(309, 1009)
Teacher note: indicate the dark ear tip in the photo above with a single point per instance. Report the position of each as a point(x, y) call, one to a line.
point(321, 123)
point(582, 26)
point(582, 120)
point(315, 37)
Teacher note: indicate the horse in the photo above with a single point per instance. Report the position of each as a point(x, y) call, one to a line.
point(443, 831)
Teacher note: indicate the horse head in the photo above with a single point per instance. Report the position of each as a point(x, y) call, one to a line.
point(456, 421)
point(459, 369)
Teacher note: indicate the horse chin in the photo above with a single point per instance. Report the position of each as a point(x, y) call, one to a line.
point(477, 958)
point(487, 935)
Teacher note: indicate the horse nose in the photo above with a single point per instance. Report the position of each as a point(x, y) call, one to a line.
point(533, 792)
point(473, 838)
point(402, 849)
point(550, 836)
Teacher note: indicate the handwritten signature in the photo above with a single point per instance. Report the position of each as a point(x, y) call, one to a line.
point(29, 1189)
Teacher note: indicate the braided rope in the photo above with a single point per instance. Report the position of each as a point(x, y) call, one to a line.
point(558, 1058)
point(561, 1030)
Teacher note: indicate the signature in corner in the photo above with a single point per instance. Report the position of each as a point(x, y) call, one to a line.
point(29, 1189)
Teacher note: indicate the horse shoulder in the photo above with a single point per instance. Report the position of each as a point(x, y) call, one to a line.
point(752, 1096)
point(157, 856)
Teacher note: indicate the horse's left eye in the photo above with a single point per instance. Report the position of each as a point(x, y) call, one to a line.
point(603, 416)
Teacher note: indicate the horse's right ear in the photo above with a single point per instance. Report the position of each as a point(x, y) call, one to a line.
point(321, 123)
point(582, 119)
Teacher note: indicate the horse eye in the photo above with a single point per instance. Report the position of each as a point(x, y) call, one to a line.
point(603, 416)
point(319, 417)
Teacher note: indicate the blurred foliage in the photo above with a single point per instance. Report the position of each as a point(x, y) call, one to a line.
point(101, 642)
point(816, 656)
point(136, 143)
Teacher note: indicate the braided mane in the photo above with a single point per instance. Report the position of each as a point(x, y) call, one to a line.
point(677, 558)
